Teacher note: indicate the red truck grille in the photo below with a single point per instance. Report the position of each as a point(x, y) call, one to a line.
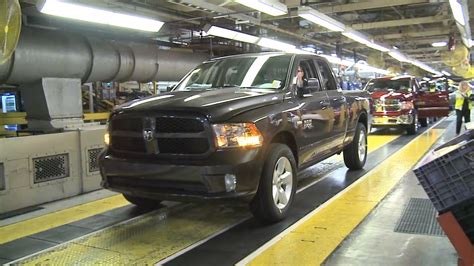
point(387, 105)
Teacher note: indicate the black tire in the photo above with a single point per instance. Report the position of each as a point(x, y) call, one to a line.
point(352, 158)
point(263, 206)
point(413, 127)
point(143, 203)
point(423, 122)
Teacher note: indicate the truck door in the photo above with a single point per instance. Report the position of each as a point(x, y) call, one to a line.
point(338, 105)
point(314, 113)
point(432, 100)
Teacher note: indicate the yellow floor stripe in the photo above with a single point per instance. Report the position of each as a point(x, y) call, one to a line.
point(55, 219)
point(375, 141)
point(144, 240)
point(62, 217)
point(153, 237)
point(313, 240)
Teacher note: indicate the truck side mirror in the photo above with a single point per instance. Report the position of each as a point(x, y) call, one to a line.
point(169, 88)
point(313, 84)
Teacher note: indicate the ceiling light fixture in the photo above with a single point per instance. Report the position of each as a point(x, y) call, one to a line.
point(277, 45)
point(360, 38)
point(446, 73)
point(439, 44)
point(458, 12)
point(320, 19)
point(398, 56)
point(270, 7)
point(91, 14)
point(230, 34)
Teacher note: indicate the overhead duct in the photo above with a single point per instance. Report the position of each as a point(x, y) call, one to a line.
point(50, 66)
point(49, 53)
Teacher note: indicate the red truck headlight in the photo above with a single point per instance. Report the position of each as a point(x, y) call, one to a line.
point(407, 105)
point(237, 135)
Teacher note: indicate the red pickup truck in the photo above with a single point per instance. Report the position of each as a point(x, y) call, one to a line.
point(402, 102)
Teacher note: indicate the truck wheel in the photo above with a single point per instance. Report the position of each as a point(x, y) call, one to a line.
point(413, 127)
point(355, 154)
point(423, 122)
point(143, 203)
point(277, 185)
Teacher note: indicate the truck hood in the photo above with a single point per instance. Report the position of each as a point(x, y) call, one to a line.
point(217, 105)
point(386, 94)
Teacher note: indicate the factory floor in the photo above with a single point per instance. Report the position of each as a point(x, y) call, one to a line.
point(339, 217)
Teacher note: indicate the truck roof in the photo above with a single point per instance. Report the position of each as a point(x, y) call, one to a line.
point(260, 54)
point(394, 77)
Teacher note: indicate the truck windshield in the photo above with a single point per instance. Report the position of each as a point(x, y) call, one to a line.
point(388, 85)
point(267, 72)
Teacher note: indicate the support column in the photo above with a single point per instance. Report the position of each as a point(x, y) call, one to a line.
point(53, 104)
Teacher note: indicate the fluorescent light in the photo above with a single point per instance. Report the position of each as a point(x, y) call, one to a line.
point(439, 44)
point(270, 7)
point(377, 47)
point(425, 67)
point(90, 14)
point(231, 34)
point(356, 36)
point(368, 68)
point(309, 49)
point(320, 19)
point(398, 56)
point(446, 73)
point(337, 60)
point(277, 45)
point(360, 38)
point(458, 13)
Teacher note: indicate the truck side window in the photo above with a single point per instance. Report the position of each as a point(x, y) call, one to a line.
point(328, 79)
point(310, 75)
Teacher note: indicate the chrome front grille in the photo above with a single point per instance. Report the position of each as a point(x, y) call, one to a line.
point(387, 105)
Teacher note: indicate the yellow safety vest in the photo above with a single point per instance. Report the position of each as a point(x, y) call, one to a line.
point(460, 100)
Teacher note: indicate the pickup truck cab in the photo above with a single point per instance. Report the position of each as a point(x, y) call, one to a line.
point(401, 102)
point(235, 127)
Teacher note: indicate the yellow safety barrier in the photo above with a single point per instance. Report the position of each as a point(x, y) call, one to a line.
point(19, 118)
point(96, 116)
point(13, 118)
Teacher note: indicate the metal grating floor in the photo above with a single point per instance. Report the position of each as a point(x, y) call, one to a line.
point(419, 217)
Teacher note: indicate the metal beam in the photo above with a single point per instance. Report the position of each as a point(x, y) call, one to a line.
point(414, 34)
point(400, 22)
point(374, 4)
point(426, 49)
point(220, 9)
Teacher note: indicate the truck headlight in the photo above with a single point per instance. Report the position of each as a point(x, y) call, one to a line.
point(107, 138)
point(237, 135)
point(407, 105)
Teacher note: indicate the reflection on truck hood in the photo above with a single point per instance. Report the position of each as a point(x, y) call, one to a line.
point(391, 95)
point(218, 105)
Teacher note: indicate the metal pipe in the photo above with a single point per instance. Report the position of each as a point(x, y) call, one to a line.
point(49, 53)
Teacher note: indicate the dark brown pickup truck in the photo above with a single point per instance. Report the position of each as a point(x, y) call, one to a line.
point(235, 127)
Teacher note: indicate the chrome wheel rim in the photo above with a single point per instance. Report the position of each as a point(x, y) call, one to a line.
point(282, 183)
point(362, 146)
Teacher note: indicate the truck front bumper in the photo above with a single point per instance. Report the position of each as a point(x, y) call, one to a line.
point(236, 176)
point(385, 120)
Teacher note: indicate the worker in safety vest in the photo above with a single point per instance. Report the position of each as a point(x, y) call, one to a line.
point(463, 104)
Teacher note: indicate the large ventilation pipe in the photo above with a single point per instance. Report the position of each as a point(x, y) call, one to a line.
point(48, 53)
point(49, 67)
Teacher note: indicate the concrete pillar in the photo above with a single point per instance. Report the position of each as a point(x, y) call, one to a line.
point(53, 103)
